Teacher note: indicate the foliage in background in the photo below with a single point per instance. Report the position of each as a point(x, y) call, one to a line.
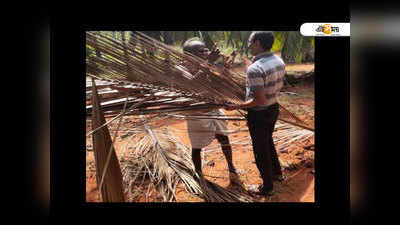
point(280, 38)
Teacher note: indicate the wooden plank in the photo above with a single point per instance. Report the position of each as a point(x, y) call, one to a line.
point(112, 186)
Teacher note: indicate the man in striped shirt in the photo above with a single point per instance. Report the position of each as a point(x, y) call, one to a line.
point(263, 83)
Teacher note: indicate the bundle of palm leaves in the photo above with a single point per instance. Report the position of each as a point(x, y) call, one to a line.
point(163, 170)
point(165, 99)
point(149, 67)
point(161, 161)
point(148, 61)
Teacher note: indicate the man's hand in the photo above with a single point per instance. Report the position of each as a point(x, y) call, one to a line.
point(214, 55)
point(246, 61)
point(228, 61)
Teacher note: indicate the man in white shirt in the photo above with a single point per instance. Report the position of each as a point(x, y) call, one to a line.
point(203, 131)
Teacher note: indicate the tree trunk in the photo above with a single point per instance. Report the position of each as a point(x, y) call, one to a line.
point(291, 47)
point(154, 34)
point(244, 48)
point(167, 35)
point(207, 40)
point(307, 50)
point(229, 41)
point(185, 36)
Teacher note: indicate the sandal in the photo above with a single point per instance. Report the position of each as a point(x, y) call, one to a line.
point(263, 191)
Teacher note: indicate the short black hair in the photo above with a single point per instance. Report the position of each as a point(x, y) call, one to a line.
point(266, 38)
point(187, 47)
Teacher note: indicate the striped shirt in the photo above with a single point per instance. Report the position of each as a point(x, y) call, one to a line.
point(265, 73)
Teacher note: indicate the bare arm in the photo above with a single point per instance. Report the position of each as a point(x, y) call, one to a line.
point(259, 96)
point(256, 101)
point(246, 61)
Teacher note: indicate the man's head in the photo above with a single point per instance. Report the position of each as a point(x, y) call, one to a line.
point(260, 41)
point(196, 47)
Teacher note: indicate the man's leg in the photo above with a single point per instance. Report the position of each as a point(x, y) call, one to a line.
point(262, 154)
point(276, 167)
point(227, 150)
point(196, 159)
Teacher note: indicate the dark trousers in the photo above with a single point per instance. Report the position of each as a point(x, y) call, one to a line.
point(261, 126)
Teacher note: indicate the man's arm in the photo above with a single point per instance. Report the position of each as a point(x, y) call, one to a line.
point(213, 55)
point(256, 85)
point(246, 62)
point(259, 99)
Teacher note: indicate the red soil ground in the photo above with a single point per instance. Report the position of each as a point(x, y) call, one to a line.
point(299, 187)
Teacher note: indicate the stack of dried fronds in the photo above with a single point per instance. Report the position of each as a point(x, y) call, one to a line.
point(286, 116)
point(147, 61)
point(165, 100)
point(147, 66)
point(161, 161)
point(285, 134)
point(162, 170)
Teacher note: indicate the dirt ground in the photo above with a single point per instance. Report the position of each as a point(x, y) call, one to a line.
point(298, 161)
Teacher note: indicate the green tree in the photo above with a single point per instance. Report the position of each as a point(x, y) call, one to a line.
point(307, 49)
point(297, 48)
point(292, 47)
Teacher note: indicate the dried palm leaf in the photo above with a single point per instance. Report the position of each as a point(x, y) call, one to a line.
point(166, 161)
